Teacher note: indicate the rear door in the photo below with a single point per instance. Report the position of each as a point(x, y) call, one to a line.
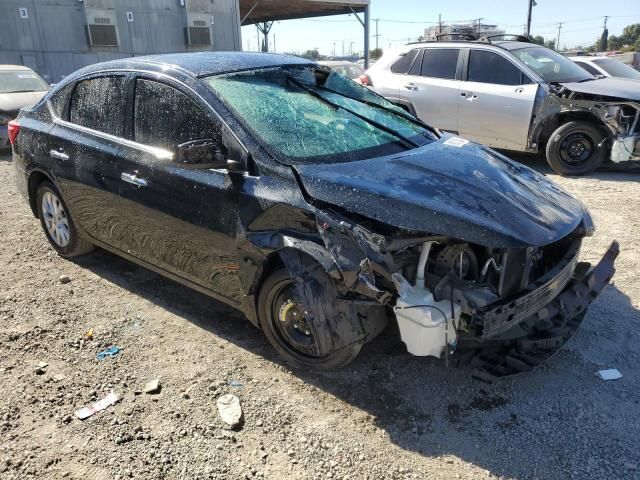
point(432, 87)
point(496, 101)
point(183, 219)
point(84, 146)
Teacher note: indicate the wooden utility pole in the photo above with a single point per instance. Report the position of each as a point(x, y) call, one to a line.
point(558, 39)
point(528, 31)
point(377, 35)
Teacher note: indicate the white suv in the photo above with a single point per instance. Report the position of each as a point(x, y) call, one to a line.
point(515, 95)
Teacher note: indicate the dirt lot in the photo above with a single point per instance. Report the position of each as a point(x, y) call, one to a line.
point(390, 415)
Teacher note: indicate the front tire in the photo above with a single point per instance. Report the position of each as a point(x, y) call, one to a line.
point(575, 148)
point(57, 223)
point(281, 313)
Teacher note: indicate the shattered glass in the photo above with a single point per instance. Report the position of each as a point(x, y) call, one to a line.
point(298, 126)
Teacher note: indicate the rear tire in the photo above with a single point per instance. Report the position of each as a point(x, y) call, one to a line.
point(57, 223)
point(278, 294)
point(573, 149)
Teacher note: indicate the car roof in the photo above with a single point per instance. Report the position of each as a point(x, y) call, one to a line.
point(202, 64)
point(13, 68)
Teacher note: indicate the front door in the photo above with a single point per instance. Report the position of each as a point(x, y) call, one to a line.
point(496, 101)
point(432, 88)
point(181, 218)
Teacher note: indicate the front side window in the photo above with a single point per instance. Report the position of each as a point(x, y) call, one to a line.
point(305, 115)
point(489, 67)
point(440, 63)
point(592, 70)
point(99, 104)
point(165, 117)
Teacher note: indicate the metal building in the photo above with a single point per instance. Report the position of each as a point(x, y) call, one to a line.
point(56, 37)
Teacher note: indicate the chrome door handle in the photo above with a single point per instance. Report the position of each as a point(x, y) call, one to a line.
point(133, 179)
point(59, 155)
point(410, 86)
point(469, 96)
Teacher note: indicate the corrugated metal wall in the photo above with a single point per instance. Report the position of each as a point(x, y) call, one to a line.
point(53, 38)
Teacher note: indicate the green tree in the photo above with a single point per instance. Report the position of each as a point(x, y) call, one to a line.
point(539, 39)
point(550, 44)
point(375, 54)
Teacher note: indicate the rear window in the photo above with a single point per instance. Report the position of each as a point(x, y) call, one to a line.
point(440, 63)
point(489, 67)
point(59, 100)
point(21, 81)
point(99, 104)
point(403, 64)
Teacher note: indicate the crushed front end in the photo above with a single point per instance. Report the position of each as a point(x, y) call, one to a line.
point(502, 310)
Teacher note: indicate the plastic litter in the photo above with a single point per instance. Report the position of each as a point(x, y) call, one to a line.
point(230, 410)
point(86, 412)
point(610, 374)
point(89, 334)
point(109, 352)
point(234, 383)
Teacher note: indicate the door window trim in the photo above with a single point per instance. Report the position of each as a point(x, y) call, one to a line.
point(421, 54)
point(523, 71)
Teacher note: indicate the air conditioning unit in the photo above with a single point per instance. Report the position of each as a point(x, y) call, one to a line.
point(102, 28)
point(198, 30)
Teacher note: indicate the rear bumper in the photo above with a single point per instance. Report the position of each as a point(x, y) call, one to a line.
point(534, 339)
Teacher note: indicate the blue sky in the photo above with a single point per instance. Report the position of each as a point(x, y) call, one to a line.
point(582, 22)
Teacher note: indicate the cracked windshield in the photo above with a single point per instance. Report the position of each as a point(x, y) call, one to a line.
point(307, 115)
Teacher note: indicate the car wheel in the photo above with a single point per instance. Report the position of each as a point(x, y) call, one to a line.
point(574, 148)
point(57, 224)
point(281, 311)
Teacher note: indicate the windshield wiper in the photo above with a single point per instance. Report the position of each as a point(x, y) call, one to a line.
point(22, 91)
point(369, 103)
point(336, 106)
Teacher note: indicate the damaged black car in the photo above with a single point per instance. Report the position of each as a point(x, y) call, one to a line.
point(317, 208)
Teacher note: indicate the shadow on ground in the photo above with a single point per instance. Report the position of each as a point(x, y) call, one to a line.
point(423, 406)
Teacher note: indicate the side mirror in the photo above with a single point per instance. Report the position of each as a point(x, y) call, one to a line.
point(204, 152)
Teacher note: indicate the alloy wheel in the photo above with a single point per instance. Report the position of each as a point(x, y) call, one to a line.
point(55, 219)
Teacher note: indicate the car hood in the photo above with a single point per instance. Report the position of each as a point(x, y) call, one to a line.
point(10, 102)
point(609, 87)
point(466, 192)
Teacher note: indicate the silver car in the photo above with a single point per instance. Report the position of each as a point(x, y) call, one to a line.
point(606, 66)
point(515, 95)
point(19, 87)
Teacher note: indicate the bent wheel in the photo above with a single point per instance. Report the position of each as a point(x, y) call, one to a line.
point(57, 224)
point(282, 314)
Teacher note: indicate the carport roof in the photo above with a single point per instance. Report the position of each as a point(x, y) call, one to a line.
point(255, 11)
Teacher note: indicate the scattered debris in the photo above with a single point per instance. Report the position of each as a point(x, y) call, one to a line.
point(64, 279)
point(153, 386)
point(611, 374)
point(234, 383)
point(88, 335)
point(86, 412)
point(41, 368)
point(109, 352)
point(58, 377)
point(230, 410)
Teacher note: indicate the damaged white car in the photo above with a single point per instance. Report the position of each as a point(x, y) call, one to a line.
point(515, 95)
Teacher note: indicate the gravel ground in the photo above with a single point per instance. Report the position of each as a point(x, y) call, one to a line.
point(389, 415)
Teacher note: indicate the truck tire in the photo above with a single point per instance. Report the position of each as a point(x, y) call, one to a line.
point(575, 148)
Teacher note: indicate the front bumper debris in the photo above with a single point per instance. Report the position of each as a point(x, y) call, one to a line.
point(546, 331)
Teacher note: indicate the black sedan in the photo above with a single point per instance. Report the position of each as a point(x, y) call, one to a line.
point(318, 208)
